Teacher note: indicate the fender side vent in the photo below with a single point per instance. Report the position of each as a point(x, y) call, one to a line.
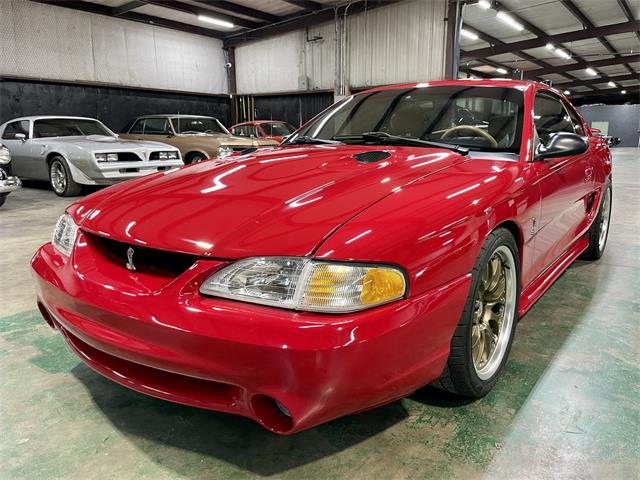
point(372, 156)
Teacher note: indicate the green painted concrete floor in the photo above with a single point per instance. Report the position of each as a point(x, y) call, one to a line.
point(567, 405)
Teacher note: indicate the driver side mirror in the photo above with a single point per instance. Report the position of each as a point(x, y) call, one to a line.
point(562, 144)
point(20, 136)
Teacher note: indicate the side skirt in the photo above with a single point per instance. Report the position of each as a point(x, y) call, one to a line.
point(541, 284)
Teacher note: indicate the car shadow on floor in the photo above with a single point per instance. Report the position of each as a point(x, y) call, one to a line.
point(154, 424)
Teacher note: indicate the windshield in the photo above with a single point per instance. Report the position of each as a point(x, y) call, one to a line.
point(197, 125)
point(480, 118)
point(277, 129)
point(68, 127)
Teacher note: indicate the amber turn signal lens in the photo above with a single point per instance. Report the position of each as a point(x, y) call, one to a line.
point(380, 285)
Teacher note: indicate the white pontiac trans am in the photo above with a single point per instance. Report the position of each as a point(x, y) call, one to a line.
point(73, 151)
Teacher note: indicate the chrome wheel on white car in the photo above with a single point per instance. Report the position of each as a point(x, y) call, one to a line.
point(61, 180)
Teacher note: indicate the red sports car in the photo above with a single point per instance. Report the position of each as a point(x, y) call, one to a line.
point(267, 129)
point(391, 242)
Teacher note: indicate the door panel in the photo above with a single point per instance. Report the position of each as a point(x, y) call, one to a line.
point(565, 185)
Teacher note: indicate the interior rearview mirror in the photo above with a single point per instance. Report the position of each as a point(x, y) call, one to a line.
point(20, 136)
point(562, 144)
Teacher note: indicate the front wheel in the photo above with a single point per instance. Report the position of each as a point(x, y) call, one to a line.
point(482, 340)
point(61, 180)
point(599, 231)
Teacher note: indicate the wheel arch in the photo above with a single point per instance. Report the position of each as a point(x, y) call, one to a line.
point(195, 151)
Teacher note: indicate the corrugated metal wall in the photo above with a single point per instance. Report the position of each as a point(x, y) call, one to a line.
point(38, 40)
point(402, 42)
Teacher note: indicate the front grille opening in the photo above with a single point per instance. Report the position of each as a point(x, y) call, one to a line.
point(129, 170)
point(128, 157)
point(145, 260)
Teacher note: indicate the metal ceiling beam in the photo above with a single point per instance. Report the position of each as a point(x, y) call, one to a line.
point(624, 6)
point(306, 4)
point(633, 93)
point(132, 16)
point(595, 81)
point(572, 67)
point(305, 20)
point(587, 23)
point(585, 34)
point(127, 7)
point(195, 11)
point(238, 9)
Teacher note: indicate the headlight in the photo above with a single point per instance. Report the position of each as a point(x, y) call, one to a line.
point(5, 156)
point(304, 284)
point(106, 157)
point(64, 235)
point(224, 151)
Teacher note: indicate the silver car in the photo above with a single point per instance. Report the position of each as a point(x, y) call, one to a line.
point(73, 151)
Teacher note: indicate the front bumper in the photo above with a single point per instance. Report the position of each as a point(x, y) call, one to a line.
point(9, 184)
point(108, 173)
point(163, 338)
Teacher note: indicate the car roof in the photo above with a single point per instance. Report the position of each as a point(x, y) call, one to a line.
point(495, 82)
point(177, 115)
point(43, 117)
point(259, 122)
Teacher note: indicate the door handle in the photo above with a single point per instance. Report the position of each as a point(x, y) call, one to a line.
point(588, 173)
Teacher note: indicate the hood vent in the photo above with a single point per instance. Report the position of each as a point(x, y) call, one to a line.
point(372, 156)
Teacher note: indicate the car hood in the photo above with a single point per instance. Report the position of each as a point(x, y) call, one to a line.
point(281, 201)
point(104, 142)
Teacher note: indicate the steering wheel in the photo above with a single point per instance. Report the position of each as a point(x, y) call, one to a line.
point(480, 133)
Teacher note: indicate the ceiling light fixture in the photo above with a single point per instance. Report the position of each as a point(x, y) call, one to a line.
point(484, 4)
point(567, 92)
point(215, 21)
point(501, 70)
point(611, 84)
point(623, 92)
point(509, 20)
point(468, 34)
point(562, 53)
point(590, 71)
point(550, 46)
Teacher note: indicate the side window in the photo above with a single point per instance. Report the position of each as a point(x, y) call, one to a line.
point(577, 123)
point(254, 131)
point(138, 127)
point(156, 126)
point(16, 127)
point(550, 116)
point(242, 131)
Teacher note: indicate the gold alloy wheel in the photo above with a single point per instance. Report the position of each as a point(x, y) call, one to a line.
point(493, 312)
point(604, 218)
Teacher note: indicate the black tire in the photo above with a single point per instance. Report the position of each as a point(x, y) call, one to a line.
point(3, 198)
point(195, 157)
point(596, 247)
point(60, 178)
point(460, 375)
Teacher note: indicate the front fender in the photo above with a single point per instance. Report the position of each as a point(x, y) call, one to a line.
point(435, 228)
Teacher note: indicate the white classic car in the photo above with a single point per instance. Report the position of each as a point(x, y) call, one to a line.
point(73, 151)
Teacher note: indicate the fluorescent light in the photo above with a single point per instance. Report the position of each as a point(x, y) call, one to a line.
point(509, 20)
point(468, 34)
point(501, 70)
point(215, 21)
point(562, 53)
point(550, 46)
point(623, 92)
point(590, 71)
point(567, 92)
point(611, 84)
point(484, 4)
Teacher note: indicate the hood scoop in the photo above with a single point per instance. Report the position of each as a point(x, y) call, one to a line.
point(372, 156)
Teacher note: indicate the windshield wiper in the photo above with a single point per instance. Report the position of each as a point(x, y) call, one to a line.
point(384, 138)
point(312, 140)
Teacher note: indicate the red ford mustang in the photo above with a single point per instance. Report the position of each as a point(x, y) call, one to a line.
point(391, 242)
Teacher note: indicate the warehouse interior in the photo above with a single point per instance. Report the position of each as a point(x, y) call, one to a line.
point(567, 404)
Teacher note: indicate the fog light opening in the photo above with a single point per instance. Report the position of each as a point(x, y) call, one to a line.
point(46, 315)
point(272, 414)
